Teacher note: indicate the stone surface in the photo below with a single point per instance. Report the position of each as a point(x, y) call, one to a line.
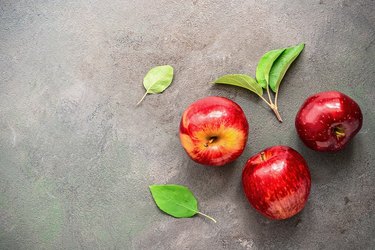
point(77, 155)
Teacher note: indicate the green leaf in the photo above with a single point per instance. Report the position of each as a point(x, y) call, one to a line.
point(157, 80)
point(264, 66)
point(176, 200)
point(281, 65)
point(241, 80)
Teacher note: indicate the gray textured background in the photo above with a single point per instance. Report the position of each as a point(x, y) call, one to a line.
point(77, 155)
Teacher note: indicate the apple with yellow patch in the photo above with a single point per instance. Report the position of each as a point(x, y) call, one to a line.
point(213, 131)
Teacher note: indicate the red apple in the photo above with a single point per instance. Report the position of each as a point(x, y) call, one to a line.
point(277, 182)
point(213, 131)
point(328, 120)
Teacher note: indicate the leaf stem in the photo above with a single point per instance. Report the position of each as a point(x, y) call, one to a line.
point(143, 97)
point(268, 93)
point(261, 97)
point(276, 111)
point(277, 92)
point(207, 216)
point(273, 107)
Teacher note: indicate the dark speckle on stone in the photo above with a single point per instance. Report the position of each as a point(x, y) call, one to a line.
point(346, 199)
point(298, 221)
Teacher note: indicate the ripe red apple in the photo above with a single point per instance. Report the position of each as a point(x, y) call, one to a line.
point(277, 182)
point(328, 120)
point(213, 131)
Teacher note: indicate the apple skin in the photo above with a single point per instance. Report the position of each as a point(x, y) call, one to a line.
point(213, 131)
point(277, 182)
point(327, 121)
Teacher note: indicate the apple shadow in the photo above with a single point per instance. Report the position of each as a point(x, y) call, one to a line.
point(325, 165)
point(277, 230)
point(212, 181)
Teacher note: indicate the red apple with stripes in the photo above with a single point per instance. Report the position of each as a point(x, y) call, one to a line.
point(277, 182)
point(214, 131)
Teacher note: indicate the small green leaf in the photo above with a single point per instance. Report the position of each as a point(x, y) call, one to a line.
point(281, 65)
point(176, 200)
point(241, 80)
point(157, 80)
point(264, 66)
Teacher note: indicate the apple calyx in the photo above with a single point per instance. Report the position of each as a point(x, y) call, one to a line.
point(339, 132)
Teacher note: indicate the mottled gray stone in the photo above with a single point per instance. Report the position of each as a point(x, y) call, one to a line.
point(77, 155)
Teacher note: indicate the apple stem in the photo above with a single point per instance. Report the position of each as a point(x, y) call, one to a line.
point(339, 131)
point(207, 216)
point(211, 140)
point(340, 134)
point(263, 156)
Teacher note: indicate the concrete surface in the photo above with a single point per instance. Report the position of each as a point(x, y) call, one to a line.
point(77, 155)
